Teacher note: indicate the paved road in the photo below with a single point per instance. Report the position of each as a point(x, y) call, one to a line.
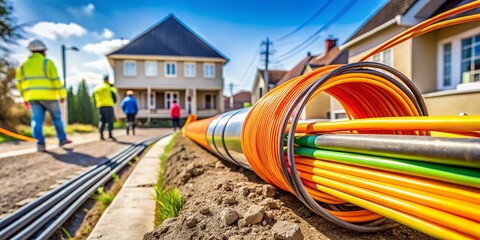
point(24, 176)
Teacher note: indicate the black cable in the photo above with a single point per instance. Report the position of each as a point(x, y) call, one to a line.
point(323, 28)
point(323, 7)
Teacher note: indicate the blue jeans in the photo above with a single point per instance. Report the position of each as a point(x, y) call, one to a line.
point(38, 109)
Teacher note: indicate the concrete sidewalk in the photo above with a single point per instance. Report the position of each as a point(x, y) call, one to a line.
point(21, 148)
point(132, 212)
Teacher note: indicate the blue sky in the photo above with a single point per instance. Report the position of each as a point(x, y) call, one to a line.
point(235, 28)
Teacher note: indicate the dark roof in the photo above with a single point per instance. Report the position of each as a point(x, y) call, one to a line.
point(170, 37)
point(341, 58)
point(324, 59)
point(296, 71)
point(388, 12)
point(273, 75)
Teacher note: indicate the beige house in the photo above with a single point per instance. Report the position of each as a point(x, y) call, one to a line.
point(444, 64)
point(322, 106)
point(170, 62)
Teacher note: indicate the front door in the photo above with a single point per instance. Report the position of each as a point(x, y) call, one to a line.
point(170, 96)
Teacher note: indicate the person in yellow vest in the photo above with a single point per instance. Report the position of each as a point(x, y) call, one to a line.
point(41, 89)
point(105, 98)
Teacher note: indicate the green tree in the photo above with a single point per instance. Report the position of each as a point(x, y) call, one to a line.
point(7, 76)
point(10, 31)
point(72, 106)
point(84, 105)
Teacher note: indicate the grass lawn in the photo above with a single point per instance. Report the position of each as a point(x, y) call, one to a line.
point(49, 131)
point(4, 138)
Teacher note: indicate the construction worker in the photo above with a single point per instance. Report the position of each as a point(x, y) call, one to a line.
point(130, 108)
point(41, 89)
point(105, 98)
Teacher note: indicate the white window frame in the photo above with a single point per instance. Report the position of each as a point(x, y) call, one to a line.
point(381, 56)
point(205, 65)
point(213, 99)
point(165, 69)
point(134, 74)
point(155, 72)
point(186, 73)
point(171, 100)
point(456, 63)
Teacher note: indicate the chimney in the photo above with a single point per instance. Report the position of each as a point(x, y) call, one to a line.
point(330, 43)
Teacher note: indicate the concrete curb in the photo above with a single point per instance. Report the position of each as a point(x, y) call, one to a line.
point(132, 212)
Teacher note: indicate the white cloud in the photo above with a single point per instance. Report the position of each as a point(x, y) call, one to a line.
point(104, 47)
point(53, 31)
point(88, 9)
point(74, 70)
point(100, 64)
point(91, 78)
point(107, 33)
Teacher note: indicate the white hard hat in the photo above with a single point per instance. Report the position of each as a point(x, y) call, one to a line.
point(36, 45)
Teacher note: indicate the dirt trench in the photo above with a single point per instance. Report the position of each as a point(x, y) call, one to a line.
point(224, 201)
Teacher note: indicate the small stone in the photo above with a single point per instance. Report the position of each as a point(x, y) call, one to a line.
point(269, 214)
point(254, 214)
point(268, 191)
point(244, 191)
point(185, 177)
point(283, 230)
point(197, 171)
point(230, 200)
point(252, 195)
point(219, 186)
point(191, 221)
point(271, 203)
point(245, 231)
point(229, 216)
point(218, 165)
point(205, 211)
point(264, 222)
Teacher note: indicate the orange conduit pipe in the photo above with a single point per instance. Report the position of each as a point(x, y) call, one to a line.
point(17, 136)
point(377, 100)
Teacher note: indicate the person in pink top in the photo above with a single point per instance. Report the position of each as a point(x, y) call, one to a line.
point(175, 115)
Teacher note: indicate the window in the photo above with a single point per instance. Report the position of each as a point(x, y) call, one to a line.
point(190, 70)
point(210, 101)
point(384, 57)
point(129, 68)
point(170, 69)
point(169, 97)
point(150, 68)
point(208, 70)
point(447, 64)
point(470, 68)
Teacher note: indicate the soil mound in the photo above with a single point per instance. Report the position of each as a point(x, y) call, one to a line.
point(224, 201)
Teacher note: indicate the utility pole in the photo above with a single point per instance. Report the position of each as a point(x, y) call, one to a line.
point(231, 95)
point(267, 54)
point(64, 68)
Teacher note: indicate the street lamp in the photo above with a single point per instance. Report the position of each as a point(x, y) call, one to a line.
point(64, 63)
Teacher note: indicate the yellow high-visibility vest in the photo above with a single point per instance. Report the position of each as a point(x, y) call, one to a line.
point(103, 95)
point(37, 79)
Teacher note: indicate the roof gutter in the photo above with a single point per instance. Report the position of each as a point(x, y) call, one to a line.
point(362, 37)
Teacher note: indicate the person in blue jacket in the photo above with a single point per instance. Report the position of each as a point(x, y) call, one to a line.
point(130, 108)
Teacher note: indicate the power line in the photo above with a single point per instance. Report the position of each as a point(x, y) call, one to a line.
point(267, 54)
point(314, 36)
point(323, 7)
point(250, 65)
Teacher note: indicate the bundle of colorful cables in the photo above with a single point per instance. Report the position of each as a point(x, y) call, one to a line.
point(387, 160)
